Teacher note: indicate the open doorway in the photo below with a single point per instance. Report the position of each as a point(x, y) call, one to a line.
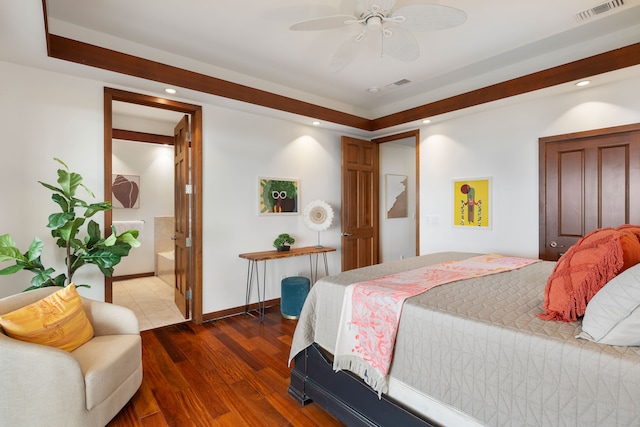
point(405, 150)
point(187, 198)
point(398, 217)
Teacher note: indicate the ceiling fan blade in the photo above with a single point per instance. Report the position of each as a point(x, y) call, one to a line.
point(430, 17)
point(345, 53)
point(324, 23)
point(401, 45)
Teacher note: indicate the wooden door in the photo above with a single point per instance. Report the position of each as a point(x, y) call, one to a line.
point(587, 182)
point(181, 213)
point(360, 201)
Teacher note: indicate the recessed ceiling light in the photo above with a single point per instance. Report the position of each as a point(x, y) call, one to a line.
point(583, 83)
point(426, 121)
point(373, 89)
point(316, 123)
point(170, 90)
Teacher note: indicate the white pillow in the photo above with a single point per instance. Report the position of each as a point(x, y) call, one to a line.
point(613, 314)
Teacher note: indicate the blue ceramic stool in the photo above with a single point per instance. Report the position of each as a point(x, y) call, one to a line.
point(294, 291)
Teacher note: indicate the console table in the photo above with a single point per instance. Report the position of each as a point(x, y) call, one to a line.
point(255, 257)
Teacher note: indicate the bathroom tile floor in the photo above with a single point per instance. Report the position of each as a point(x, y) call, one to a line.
point(150, 298)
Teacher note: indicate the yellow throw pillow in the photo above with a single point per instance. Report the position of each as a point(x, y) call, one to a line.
point(57, 321)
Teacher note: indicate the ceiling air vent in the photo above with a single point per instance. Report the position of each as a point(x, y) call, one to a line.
point(599, 10)
point(398, 83)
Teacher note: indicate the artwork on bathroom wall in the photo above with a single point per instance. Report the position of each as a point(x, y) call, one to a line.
point(396, 196)
point(278, 196)
point(126, 191)
point(472, 203)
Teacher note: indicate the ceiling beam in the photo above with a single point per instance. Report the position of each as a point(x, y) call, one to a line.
point(107, 59)
point(588, 67)
point(95, 56)
point(129, 135)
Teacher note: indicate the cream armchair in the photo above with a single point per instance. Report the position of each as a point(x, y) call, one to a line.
point(41, 385)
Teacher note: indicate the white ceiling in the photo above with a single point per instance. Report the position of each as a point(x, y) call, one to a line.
point(249, 42)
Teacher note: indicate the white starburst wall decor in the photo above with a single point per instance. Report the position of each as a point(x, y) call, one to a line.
point(318, 216)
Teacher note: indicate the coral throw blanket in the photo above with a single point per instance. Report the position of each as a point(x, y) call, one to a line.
point(371, 311)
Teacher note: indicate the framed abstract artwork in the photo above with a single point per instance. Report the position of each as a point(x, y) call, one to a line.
point(278, 196)
point(126, 191)
point(396, 196)
point(472, 203)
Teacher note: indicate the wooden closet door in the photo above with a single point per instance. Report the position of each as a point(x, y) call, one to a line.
point(587, 182)
point(360, 201)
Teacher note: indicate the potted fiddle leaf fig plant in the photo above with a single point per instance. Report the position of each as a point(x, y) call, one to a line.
point(75, 233)
point(283, 241)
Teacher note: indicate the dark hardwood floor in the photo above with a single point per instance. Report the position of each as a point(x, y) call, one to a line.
point(229, 372)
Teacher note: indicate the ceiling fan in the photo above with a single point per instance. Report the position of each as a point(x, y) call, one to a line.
point(393, 25)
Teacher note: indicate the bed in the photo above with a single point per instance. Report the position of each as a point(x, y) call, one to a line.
point(471, 352)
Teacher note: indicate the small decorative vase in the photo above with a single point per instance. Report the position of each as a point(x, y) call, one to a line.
point(283, 248)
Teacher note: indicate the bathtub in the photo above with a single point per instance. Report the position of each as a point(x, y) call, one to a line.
point(165, 265)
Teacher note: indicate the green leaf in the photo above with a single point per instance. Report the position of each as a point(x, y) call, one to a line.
point(70, 229)
point(79, 202)
point(51, 187)
point(110, 241)
point(119, 248)
point(6, 241)
point(69, 182)
point(35, 249)
point(94, 208)
point(107, 271)
point(11, 269)
point(32, 265)
point(61, 201)
point(103, 259)
point(41, 278)
point(60, 280)
point(88, 191)
point(59, 219)
point(11, 254)
point(129, 237)
point(93, 231)
point(61, 162)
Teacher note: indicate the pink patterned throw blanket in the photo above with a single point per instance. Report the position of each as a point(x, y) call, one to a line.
point(371, 311)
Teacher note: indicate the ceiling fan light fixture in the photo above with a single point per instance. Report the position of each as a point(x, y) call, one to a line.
point(374, 21)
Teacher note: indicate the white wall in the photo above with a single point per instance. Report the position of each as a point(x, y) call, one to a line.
point(48, 115)
point(153, 163)
point(239, 148)
point(45, 115)
point(398, 235)
point(502, 143)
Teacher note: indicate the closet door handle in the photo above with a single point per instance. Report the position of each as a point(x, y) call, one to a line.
point(174, 238)
point(346, 234)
